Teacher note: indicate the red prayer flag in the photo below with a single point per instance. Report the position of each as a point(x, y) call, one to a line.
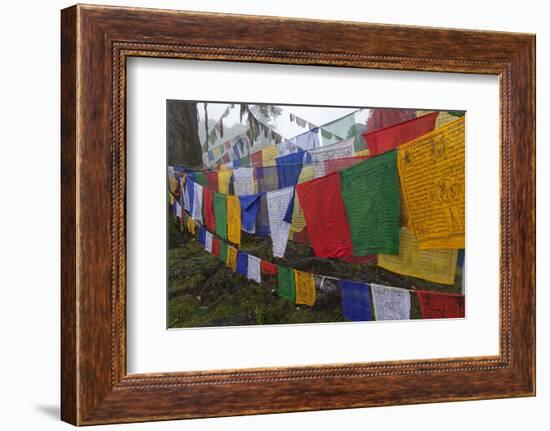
point(208, 205)
point(437, 305)
point(382, 118)
point(215, 246)
point(212, 181)
point(389, 138)
point(337, 165)
point(327, 224)
point(268, 267)
point(256, 159)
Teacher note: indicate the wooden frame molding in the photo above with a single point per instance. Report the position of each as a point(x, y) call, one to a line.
point(95, 43)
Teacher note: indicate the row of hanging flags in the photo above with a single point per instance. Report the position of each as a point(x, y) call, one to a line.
point(396, 198)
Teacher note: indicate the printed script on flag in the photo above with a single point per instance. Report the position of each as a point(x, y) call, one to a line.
point(432, 173)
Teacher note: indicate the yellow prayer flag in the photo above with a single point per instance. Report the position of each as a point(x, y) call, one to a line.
point(438, 266)
point(191, 227)
point(233, 219)
point(298, 219)
point(171, 199)
point(305, 288)
point(231, 258)
point(363, 153)
point(269, 154)
point(224, 177)
point(432, 174)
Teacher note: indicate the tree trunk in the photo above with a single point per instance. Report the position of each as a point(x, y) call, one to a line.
point(182, 131)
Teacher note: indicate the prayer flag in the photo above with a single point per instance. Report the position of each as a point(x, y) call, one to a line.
point(224, 177)
point(438, 266)
point(243, 181)
point(268, 267)
point(199, 177)
point(277, 205)
point(267, 178)
point(269, 154)
point(432, 174)
point(384, 140)
point(289, 168)
point(256, 159)
point(337, 165)
point(327, 224)
point(285, 283)
point(215, 246)
point(220, 211)
point(382, 118)
point(209, 215)
point(208, 242)
point(337, 150)
point(232, 258)
point(212, 181)
point(305, 288)
point(253, 266)
point(356, 303)
point(233, 219)
point(197, 202)
point(390, 303)
point(202, 236)
point(250, 205)
point(437, 305)
point(242, 263)
point(370, 191)
point(191, 226)
point(189, 195)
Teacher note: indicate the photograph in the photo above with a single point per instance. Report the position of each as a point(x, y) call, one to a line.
point(305, 214)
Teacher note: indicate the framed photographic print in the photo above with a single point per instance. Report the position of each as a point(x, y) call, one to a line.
point(287, 215)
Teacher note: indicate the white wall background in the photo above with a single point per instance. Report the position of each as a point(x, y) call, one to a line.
point(29, 215)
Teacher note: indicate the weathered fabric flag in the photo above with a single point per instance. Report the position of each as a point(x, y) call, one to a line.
point(215, 245)
point(285, 283)
point(188, 195)
point(268, 267)
point(436, 305)
point(243, 181)
point(382, 118)
point(305, 288)
point(224, 177)
point(191, 226)
point(390, 303)
point(208, 242)
point(289, 168)
point(267, 178)
point(232, 258)
point(202, 236)
point(277, 205)
point(384, 140)
point(212, 181)
point(250, 205)
point(370, 191)
point(262, 220)
point(256, 159)
point(199, 177)
point(233, 219)
point(356, 303)
point(269, 154)
point(208, 205)
point(220, 211)
point(337, 165)
point(197, 203)
point(338, 150)
point(253, 266)
point(308, 140)
point(438, 266)
point(242, 263)
point(432, 174)
point(327, 224)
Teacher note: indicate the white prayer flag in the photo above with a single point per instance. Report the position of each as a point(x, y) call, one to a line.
point(208, 242)
point(197, 202)
point(243, 181)
point(254, 272)
point(277, 204)
point(390, 303)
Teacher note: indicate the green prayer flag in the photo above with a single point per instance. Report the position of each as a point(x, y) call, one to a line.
point(245, 162)
point(200, 178)
point(285, 283)
point(223, 252)
point(370, 191)
point(220, 213)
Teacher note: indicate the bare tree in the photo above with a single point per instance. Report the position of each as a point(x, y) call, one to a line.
point(182, 130)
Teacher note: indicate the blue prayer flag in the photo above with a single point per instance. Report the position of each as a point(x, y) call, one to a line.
point(242, 263)
point(356, 302)
point(202, 236)
point(289, 168)
point(250, 205)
